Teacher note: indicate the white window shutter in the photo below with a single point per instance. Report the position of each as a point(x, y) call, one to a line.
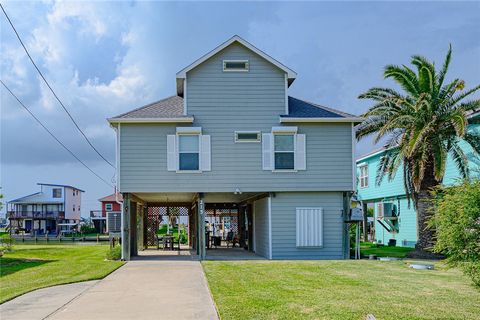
point(205, 153)
point(309, 227)
point(172, 158)
point(267, 151)
point(300, 152)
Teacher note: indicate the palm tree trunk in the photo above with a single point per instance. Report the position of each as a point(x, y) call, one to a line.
point(423, 207)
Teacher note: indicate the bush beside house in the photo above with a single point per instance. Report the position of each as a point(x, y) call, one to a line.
point(456, 219)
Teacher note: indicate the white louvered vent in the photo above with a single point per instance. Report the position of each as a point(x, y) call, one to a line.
point(309, 227)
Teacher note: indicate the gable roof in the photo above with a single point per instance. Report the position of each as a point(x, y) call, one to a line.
point(304, 111)
point(166, 110)
point(111, 198)
point(181, 75)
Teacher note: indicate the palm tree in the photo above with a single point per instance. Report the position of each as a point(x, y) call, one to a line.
point(422, 126)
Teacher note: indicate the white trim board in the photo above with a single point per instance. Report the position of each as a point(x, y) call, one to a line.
point(151, 120)
point(300, 120)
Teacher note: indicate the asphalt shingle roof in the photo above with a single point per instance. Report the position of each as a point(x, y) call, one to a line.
point(302, 109)
point(171, 107)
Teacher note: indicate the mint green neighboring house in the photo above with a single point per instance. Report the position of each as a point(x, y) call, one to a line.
point(394, 218)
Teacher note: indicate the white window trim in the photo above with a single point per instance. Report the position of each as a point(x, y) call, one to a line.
point(363, 177)
point(108, 205)
point(285, 133)
point(258, 133)
point(247, 64)
point(194, 131)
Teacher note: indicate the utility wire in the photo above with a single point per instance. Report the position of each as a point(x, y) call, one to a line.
point(53, 92)
point(53, 136)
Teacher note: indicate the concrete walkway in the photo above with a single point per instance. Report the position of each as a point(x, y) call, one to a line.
point(142, 289)
point(41, 303)
point(146, 289)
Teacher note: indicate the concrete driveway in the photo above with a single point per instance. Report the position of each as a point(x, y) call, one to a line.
point(142, 289)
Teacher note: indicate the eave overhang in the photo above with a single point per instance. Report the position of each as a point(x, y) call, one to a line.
point(319, 120)
point(151, 120)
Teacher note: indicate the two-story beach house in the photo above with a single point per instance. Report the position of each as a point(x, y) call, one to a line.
point(232, 143)
point(394, 218)
point(54, 208)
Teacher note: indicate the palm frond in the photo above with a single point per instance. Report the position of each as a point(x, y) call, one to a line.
point(446, 63)
point(460, 160)
point(462, 96)
point(403, 78)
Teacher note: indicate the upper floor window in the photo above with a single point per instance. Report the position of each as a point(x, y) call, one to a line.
point(247, 136)
point(235, 65)
point(108, 207)
point(57, 192)
point(363, 176)
point(284, 150)
point(188, 152)
point(284, 147)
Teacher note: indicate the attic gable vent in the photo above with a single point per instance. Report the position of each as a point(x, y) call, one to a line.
point(235, 65)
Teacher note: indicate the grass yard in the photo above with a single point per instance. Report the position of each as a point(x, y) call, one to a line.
point(339, 290)
point(32, 267)
point(367, 248)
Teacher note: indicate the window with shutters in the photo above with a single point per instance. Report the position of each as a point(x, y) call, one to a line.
point(188, 152)
point(284, 148)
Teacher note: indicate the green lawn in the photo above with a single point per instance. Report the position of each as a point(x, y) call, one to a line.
point(173, 231)
point(339, 290)
point(32, 267)
point(367, 248)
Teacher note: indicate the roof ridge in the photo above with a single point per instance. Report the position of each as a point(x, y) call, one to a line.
point(340, 113)
point(146, 106)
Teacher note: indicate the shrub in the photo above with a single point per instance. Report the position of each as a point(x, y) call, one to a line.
point(456, 219)
point(114, 253)
point(85, 228)
point(6, 242)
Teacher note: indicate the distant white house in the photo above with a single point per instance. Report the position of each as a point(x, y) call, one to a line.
point(56, 207)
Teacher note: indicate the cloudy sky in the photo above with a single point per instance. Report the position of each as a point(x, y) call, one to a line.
point(104, 58)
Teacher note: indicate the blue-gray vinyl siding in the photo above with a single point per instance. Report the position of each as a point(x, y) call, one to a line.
point(284, 206)
point(225, 102)
point(261, 236)
point(143, 162)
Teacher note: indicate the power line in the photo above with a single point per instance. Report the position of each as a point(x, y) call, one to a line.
point(53, 136)
point(53, 92)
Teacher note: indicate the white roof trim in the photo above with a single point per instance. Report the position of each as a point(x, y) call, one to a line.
point(362, 158)
point(196, 130)
point(293, 119)
point(284, 129)
point(183, 73)
point(151, 120)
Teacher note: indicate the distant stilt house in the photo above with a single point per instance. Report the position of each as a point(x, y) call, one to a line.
point(111, 209)
point(55, 208)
